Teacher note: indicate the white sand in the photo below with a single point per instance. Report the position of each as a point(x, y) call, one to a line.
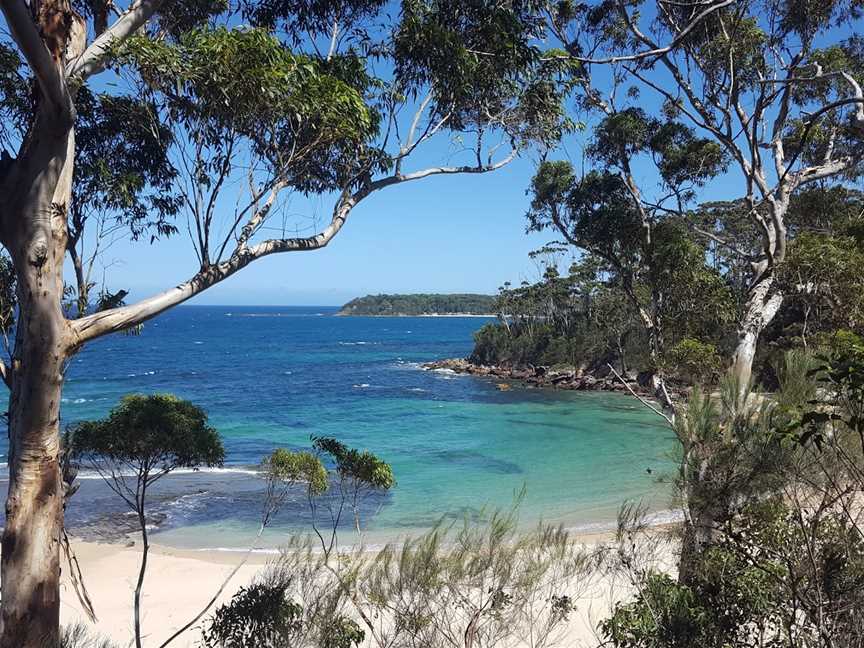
point(180, 582)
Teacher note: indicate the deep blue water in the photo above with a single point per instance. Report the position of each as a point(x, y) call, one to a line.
point(271, 377)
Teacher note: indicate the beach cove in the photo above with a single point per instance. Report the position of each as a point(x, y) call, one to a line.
point(273, 377)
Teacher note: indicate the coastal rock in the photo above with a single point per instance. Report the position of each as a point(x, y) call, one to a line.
point(588, 382)
point(602, 371)
point(542, 377)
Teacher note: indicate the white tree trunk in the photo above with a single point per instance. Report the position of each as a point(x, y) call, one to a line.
point(762, 305)
point(34, 232)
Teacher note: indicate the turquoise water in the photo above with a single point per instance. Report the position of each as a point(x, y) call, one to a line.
point(272, 377)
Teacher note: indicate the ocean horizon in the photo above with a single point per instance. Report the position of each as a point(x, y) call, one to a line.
point(273, 376)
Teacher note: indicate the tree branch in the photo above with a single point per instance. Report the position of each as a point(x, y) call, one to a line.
point(659, 51)
point(94, 58)
point(723, 242)
point(45, 69)
point(122, 318)
point(667, 418)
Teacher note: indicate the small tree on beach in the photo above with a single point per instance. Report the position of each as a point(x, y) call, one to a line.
point(353, 474)
point(143, 439)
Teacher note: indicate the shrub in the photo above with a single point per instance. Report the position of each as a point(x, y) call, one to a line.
point(694, 361)
point(491, 345)
point(341, 632)
point(79, 635)
point(258, 616)
point(777, 576)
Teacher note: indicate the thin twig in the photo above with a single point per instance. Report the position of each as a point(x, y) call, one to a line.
point(77, 578)
point(670, 420)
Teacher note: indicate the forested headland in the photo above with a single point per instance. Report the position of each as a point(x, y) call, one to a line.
point(420, 304)
point(587, 316)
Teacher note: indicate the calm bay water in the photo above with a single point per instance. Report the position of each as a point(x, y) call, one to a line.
point(272, 377)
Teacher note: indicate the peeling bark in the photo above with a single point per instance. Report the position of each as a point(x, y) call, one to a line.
point(34, 232)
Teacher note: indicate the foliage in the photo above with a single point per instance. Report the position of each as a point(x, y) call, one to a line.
point(586, 318)
point(419, 304)
point(361, 467)
point(354, 475)
point(476, 584)
point(257, 615)
point(755, 587)
point(157, 433)
point(316, 17)
point(644, 249)
point(664, 614)
point(341, 632)
point(732, 453)
point(301, 118)
point(773, 548)
point(436, 45)
point(15, 101)
point(8, 298)
point(79, 635)
point(694, 361)
point(266, 614)
point(471, 584)
point(285, 466)
point(824, 281)
point(122, 167)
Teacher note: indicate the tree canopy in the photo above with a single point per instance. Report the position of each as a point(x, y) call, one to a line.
point(157, 433)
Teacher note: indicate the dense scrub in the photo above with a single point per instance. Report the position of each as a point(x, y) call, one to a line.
point(588, 317)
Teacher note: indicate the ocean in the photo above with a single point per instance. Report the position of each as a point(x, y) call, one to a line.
point(274, 376)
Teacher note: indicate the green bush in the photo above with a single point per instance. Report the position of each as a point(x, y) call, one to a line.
point(258, 616)
point(775, 577)
point(694, 361)
point(341, 632)
point(491, 344)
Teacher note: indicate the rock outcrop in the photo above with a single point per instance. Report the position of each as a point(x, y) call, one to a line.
point(540, 376)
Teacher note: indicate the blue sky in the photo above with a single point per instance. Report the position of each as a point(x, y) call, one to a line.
point(440, 234)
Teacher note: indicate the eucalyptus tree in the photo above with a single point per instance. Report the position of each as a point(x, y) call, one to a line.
point(634, 227)
point(777, 85)
point(225, 123)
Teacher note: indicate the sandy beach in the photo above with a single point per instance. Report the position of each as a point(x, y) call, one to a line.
point(178, 585)
point(180, 582)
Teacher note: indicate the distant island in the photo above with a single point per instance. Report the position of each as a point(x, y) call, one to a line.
point(422, 304)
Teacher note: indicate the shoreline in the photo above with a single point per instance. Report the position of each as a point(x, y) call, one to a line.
point(191, 541)
point(542, 377)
